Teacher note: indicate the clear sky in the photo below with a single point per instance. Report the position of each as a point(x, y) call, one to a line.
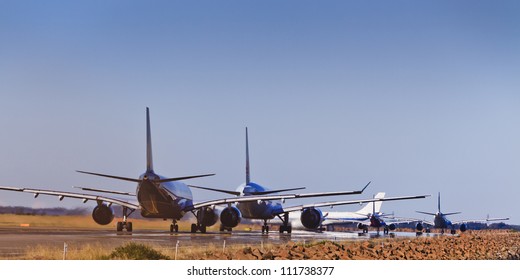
point(418, 98)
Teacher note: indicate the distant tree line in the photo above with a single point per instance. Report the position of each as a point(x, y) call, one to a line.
point(56, 211)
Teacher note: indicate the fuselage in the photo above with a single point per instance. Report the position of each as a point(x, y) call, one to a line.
point(440, 221)
point(376, 222)
point(265, 209)
point(162, 200)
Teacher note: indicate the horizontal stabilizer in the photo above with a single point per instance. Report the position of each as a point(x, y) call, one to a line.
point(276, 191)
point(111, 176)
point(453, 213)
point(182, 178)
point(215, 190)
point(140, 180)
point(426, 213)
point(104, 191)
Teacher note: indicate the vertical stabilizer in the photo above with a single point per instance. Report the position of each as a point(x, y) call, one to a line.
point(248, 176)
point(439, 203)
point(149, 161)
point(372, 207)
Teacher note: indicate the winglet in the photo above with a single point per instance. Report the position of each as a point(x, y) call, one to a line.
point(149, 161)
point(366, 186)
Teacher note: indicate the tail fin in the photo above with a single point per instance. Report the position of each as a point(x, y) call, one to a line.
point(439, 203)
point(372, 207)
point(248, 175)
point(149, 161)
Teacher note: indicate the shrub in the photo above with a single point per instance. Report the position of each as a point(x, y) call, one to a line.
point(134, 251)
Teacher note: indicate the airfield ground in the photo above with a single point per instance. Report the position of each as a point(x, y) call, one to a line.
point(44, 237)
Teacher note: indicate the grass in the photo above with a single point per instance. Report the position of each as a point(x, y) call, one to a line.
point(134, 251)
point(86, 222)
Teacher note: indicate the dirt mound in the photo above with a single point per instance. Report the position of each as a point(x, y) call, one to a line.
point(476, 245)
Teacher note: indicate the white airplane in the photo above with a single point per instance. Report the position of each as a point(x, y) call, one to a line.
point(440, 221)
point(160, 197)
point(368, 216)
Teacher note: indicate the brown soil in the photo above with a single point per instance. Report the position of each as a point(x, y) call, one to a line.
point(474, 245)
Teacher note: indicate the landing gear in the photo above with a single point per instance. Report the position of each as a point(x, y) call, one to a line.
point(453, 231)
point(125, 224)
point(385, 230)
point(285, 226)
point(198, 226)
point(224, 228)
point(174, 226)
point(265, 228)
point(365, 229)
point(195, 228)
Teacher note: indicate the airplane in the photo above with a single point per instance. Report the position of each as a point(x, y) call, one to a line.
point(164, 198)
point(368, 216)
point(441, 222)
point(262, 210)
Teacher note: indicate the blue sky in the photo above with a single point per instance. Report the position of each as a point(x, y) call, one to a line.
point(415, 97)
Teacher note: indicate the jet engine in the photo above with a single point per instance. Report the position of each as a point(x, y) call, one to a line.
point(230, 217)
point(103, 214)
point(311, 218)
point(392, 227)
point(419, 227)
point(463, 227)
point(207, 216)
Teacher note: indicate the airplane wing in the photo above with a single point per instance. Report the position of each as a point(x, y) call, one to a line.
point(346, 221)
point(288, 196)
point(480, 221)
point(249, 198)
point(105, 191)
point(335, 203)
point(84, 197)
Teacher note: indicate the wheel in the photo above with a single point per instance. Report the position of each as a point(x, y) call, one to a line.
point(202, 229)
point(222, 228)
point(129, 226)
point(172, 227)
point(193, 228)
point(282, 229)
point(453, 231)
point(266, 229)
point(119, 226)
point(263, 229)
point(289, 229)
point(176, 228)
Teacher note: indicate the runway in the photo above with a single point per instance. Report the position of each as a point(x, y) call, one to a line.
point(15, 241)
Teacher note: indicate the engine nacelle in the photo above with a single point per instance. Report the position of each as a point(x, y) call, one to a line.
point(230, 217)
point(311, 218)
point(103, 214)
point(463, 227)
point(419, 227)
point(209, 216)
point(392, 227)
